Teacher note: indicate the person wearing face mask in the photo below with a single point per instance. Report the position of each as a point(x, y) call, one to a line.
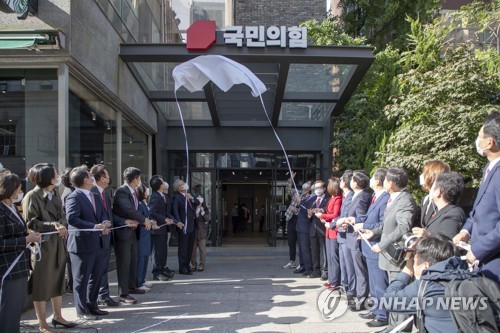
point(13, 241)
point(160, 207)
point(399, 217)
point(426, 179)
point(200, 234)
point(317, 233)
point(448, 218)
point(302, 229)
point(483, 224)
point(184, 202)
point(43, 212)
point(434, 261)
point(126, 212)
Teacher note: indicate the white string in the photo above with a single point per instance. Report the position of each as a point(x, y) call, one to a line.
point(184, 229)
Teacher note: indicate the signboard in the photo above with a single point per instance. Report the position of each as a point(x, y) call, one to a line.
point(259, 36)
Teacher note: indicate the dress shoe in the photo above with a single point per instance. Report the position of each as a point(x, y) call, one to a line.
point(324, 277)
point(313, 275)
point(168, 270)
point(299, 270)
point(136, 291)
point(201, 268)
point(306, 273)
point(160, 277)
point(368, 315)
point(376, 323)
point(128, 299)
point(98, 312)
point(88, 316)
point(357, 307)
point(67, 325)
point(186, 272)
point(108, 301)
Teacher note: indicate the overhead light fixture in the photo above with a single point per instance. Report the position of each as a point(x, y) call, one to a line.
point(3, 87)
point(260, 173)
point(234, 174)
point(286, 174)
point(94, 116)
point(130, 140)
point(108, 126)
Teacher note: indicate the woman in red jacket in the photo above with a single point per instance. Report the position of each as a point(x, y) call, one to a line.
point(332, 247)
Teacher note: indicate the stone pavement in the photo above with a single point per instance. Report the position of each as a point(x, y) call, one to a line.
point(243, 289)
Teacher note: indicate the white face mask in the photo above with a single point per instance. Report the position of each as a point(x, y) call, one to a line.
point(421, 179)
point(372, 183)
point(58, 181)
point(146, 194)
point(19, 198)
point(165, 184)
point(305, 186)
point(479, 150)
point(185, 187)
point(200, 200)
point(93, 181)
point(318, 192)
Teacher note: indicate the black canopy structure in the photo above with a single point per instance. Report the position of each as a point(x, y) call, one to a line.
point(305, 86)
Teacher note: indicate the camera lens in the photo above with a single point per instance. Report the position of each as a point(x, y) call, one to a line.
point(408, 240)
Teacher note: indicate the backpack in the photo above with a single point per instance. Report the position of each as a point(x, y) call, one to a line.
point(481, 318)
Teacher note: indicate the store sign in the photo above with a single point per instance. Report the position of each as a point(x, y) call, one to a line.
point(259, 36)
point(201, 35)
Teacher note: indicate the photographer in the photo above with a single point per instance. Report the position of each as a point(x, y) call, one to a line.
point(434, 261)
point(449, 218)
point(398, 219)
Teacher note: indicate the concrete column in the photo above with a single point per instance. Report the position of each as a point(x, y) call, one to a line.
point(62, 115)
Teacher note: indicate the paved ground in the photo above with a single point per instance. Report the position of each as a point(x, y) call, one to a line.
point(243, 289)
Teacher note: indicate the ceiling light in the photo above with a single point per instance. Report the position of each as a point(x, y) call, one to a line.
point(108, 126)
point(234, 174)
point(3, 87)
point(94, 116)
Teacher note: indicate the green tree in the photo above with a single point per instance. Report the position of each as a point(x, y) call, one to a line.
point(383, 21)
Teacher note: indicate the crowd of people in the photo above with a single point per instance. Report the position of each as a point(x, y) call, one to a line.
point(377, 244)
point(62, 243)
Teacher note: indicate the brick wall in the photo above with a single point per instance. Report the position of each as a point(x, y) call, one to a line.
point(278, 12)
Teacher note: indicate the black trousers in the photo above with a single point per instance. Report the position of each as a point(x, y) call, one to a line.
point(104, 288)
point(292, 237)
point(126, 263)
point(14, 294)
point(186, 244)
point(159, 244)
point(318, 250)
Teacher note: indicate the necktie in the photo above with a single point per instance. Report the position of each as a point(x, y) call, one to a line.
point(317, 202)
point(389, 202)
point(104, 201)
point(92, 200)
point(136, 203)
point(373, 199)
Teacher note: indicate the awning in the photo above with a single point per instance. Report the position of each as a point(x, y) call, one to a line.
point(22, 40)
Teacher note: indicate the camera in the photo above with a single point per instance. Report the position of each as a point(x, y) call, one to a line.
point(399, 252)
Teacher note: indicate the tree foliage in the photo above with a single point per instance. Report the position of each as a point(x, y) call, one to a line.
point(383, 21)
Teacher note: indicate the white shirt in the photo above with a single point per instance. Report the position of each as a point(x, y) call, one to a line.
point(379, 193)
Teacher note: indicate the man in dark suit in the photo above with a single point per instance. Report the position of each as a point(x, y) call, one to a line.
point(183, 203)
point(356, 212)
point(317, 232)
point(160, 208)
point(102, 180)
point(84, 211)
point(126, 212)
point(346, 265)
point(303, 229)
point(374, 218)
point(483, 224)
point(399, 217)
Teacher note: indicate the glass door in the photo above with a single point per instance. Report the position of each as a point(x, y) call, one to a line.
point(272, 220)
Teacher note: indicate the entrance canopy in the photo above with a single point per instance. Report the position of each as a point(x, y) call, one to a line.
point(304, 86)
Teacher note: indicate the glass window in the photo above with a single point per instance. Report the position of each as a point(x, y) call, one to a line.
point(318, 77)
point(245, 160)
point(135, 149)
point(188, 11)
point(28, 119)
point(302, 161)
point(196, 160)
point(306, 111)
point(92, 131)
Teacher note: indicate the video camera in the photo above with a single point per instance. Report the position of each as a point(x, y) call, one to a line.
point(399, 252)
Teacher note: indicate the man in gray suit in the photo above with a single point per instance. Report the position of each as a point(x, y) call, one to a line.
point(399, 217)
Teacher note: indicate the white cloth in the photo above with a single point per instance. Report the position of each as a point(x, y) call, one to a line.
point(223, 72)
